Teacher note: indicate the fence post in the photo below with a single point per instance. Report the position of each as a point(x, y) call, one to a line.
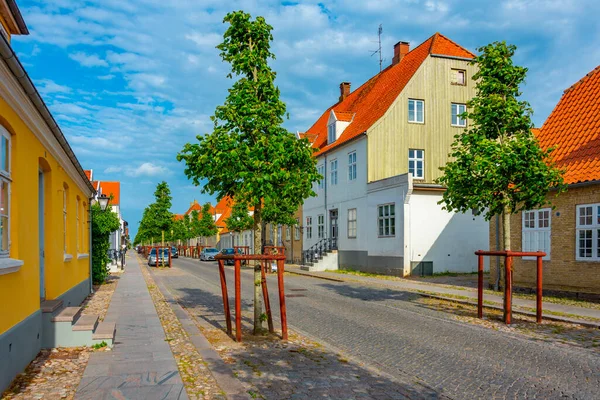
point(480, 286)
point(508, 289)
point(265, 291)
point(284, 330)
point(225, 295)
point(538, 293)
point(238, 301)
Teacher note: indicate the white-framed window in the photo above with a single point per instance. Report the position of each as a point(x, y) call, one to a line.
point(288, 233)
point(352, 166)
point(536, 231)
point(77, 227)
point(321, 171)
point(331, 133)
point(588, 232)
point(297, 229)
point(333, 172)
point(456, 110)
point(416, 160)
point(5, 181)
point(309, 227)
point(65, 199)
point(416, 111)
point(352, 223)
point(321, 226)
point(459, 77)
point(386, 220)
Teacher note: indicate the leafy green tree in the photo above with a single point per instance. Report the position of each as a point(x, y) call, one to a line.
point(249, 156)
point(239, 220)
point(179, 231)
point(207, 226)
point(196, 224)
point(103, 224)
point(157, 217)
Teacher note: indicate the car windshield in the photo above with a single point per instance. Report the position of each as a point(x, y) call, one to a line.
point(227, 251)
point(211, 250)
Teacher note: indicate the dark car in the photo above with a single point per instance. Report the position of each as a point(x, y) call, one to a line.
point(174, 252)
point(229, 252)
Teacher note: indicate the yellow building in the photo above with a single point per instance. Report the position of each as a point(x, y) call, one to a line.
point(44, 228)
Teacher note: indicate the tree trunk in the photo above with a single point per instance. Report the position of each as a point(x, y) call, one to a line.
point(258, 326)
point(506, 243)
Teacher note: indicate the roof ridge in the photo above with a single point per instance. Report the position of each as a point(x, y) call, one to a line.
point(454, 43)
point(433, 37)
point(580, 81)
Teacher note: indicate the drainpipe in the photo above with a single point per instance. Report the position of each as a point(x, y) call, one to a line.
point(325, 196)
point(90, 240)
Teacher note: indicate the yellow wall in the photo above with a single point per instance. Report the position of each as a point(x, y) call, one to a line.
point(19, 291)
point(392, 136)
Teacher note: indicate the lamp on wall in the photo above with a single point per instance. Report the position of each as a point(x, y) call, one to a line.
point(103, 201)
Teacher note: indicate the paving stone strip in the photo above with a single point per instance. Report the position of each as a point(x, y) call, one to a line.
point(197, 378)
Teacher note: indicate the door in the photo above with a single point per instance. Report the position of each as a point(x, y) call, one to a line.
point(333, 227)
point(41, 234)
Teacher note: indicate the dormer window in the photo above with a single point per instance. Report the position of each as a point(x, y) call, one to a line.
point(331, 133)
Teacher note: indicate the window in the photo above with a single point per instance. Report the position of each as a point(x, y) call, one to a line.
point(297, 229)
point(331, 133)
point(321, 171)
point(457, 110)
point(536, 231)
point(415, 163)
point(333, 172)
point(5, 180)
point(288, 233)
point(65, 192)
point(588, 232)
point(77, 228)
point(352, 166)
point(352, 223)
point(387, 219)
point(321, 226)
point(415, 111)
point(309, 227)
point(459, 77)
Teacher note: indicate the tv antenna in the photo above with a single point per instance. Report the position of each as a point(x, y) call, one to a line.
point(379, 32)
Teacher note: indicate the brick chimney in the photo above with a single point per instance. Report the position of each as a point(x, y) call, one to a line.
point(400, 50)
point(344, 90)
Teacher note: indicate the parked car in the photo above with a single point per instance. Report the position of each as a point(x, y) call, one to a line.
point(163, 257)
point(174, 252)
point(208, 254)
point(230, 251)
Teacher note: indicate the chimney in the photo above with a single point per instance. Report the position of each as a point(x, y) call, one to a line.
point(400, 50)
point(344, 90)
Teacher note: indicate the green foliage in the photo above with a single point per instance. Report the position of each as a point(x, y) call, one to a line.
point(497, 164)
point(157, 217)
point(103, 224)
point(207, 226)
point(195, 224)
point(100, 345)
point(239, 220)
point(249, 156)
point(179, 231)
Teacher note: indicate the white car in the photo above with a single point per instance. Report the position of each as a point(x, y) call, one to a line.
point(208, 254)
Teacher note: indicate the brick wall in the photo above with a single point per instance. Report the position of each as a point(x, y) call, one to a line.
point(562, 272)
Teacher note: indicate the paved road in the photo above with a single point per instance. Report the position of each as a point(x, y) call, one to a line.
point(386, 329)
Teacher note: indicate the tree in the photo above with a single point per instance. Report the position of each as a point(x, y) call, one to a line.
point(239, 220)
point(103, 224)
point(498, 167)
point(179, 231)
point(157, 217)
point(249, 156)
point(207, 227)
point(195, 224)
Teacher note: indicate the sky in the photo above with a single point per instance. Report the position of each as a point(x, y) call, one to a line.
point(130, 82)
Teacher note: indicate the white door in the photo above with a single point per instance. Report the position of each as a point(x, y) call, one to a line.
point(41, 234)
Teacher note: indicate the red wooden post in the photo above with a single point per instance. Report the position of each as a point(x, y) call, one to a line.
point(170, 255)
point(480, 287)
point(156, 251)
point(265, 291)
point(284, 330)
point(538, 294)
point(238, 301)
point(225, 295)
point(508, 290)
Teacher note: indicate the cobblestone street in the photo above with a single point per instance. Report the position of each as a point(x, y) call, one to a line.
point(431, 352)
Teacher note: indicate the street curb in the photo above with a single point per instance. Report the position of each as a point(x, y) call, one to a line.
point(587, 324)
point(234, 389)
point(314, 276)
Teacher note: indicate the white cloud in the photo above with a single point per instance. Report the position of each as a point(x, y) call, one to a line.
point(47, 87)
point(107, 77)
point(147, 169)
point(88, 60)
point(111, 170)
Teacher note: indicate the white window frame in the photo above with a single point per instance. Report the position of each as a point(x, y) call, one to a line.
point(386, 212)
point(288, 233)
point(333, 173)
point(413, 117)
point(297, 229)
point(460, 122)
point(5, 177)
point(321, 226)
point(352, 166)
point(65, 219)
point(455, 75)
point(416, 160)
point(331, 132)
point(352, 223)
point(321, 171)
point(583, 224)
point(308, 227)
point(77, 227)
point(536, 227)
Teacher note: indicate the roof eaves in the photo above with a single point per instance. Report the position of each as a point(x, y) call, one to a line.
point(14, 9)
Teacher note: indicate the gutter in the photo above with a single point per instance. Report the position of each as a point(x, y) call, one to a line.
point(12, 5)
point(346, 142)
point(452, 57)
point(13, 63)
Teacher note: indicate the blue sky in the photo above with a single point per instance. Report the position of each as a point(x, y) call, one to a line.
point(131, 81)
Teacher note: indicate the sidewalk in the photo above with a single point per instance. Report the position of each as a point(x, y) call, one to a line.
point(570, 312)
point(141, 365)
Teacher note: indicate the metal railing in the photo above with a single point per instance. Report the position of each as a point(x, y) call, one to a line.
point(318, 250)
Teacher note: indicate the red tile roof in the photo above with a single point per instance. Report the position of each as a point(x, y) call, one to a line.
point(111, 189)
point(178, 217)
point(88, 173)
point(573, 129)
point(370, 101)
point(195, 206)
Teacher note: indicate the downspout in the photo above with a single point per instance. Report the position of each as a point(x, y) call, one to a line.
point(325, 198)
point(90, 240)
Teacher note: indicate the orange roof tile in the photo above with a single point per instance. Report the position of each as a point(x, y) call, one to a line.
point(111, 189)
point(88, 173)
point(573, 129)
point(178, 217)
point(226, 213)
point(370, 101)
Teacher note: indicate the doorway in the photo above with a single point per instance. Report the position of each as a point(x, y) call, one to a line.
point(41, 234)
point(333, 227)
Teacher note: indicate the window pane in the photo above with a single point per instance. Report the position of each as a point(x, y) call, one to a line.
point(420, 111)
point(3, 216)
point(392, 209)
point(4, 154)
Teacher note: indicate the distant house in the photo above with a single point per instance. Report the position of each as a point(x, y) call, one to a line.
point(570, 233)
point(380, 148)
point(112, 189)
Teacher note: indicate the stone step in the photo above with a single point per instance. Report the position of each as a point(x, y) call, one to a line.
point(104, 330)
point(67, 314)
point(86, 323)
point(49, 306)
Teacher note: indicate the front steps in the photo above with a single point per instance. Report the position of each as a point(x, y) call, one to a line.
point(329, 261)
point(66, 327)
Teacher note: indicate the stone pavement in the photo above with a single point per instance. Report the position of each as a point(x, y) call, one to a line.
point(141, 365)
point(415, 286)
